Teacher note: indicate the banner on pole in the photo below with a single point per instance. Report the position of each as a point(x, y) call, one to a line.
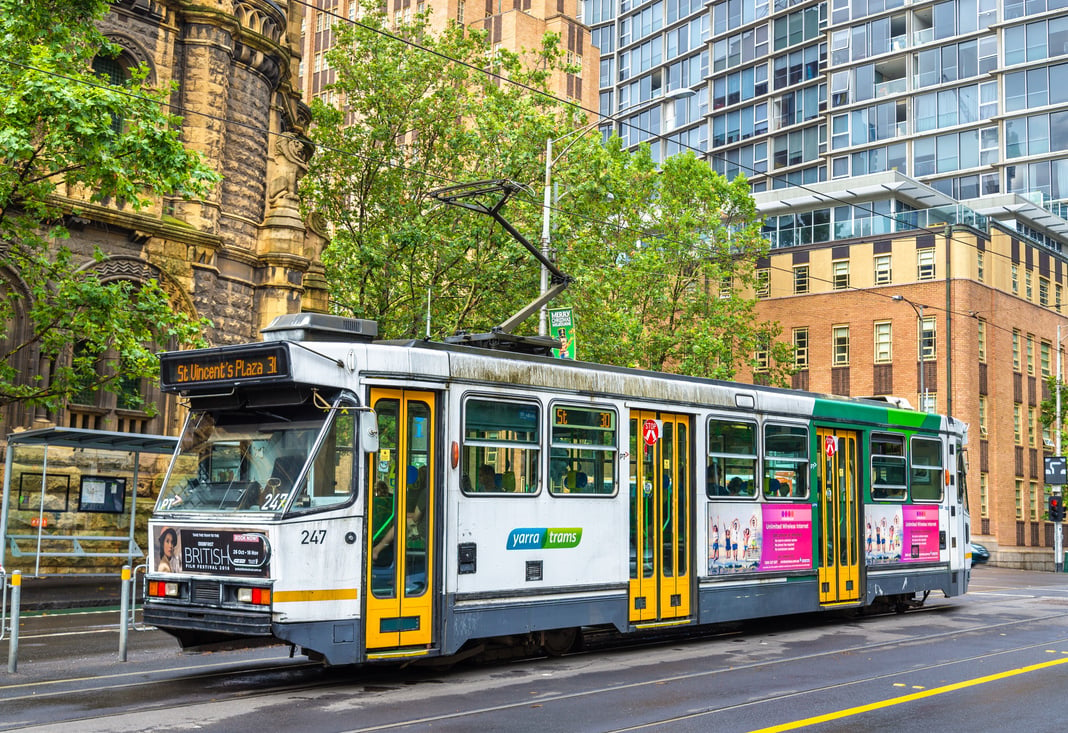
point(562, 327)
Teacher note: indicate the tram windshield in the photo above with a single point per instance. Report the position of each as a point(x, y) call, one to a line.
point(227, 463)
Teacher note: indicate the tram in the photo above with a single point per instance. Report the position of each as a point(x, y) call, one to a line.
point(367, 500)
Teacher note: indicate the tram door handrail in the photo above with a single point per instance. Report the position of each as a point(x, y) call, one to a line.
point(3, 603)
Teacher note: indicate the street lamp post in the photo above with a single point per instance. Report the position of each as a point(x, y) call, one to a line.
point(1058, 538)
point(923, 355)
point(546, 236)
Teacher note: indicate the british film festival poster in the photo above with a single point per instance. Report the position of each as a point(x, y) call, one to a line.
point(562, 328)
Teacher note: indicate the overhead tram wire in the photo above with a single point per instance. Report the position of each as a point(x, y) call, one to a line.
point(178, 109)
point(390, 163)
point(607, 118)
point(567, 103)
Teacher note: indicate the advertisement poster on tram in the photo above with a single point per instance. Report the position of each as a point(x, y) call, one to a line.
point(744, 538)
point(211, 552)
point(896, 534)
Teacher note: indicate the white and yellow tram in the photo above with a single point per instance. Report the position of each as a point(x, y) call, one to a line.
point(372, 500)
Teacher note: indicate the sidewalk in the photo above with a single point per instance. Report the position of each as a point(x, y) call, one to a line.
point(71, 590)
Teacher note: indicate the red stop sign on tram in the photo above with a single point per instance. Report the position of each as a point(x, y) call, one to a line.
point(651, 431)
point(831, 445)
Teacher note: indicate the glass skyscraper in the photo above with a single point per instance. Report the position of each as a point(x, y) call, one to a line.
point(969, 97)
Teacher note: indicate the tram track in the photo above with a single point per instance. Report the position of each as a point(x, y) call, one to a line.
point(246, 682)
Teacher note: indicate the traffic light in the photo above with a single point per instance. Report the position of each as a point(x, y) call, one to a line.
point(1056, 508)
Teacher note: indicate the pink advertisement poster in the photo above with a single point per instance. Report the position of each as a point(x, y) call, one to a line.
point(787, 538)
point(749, 537)
point(919, 530)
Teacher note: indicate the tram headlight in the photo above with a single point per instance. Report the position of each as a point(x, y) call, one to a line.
point(255, 596)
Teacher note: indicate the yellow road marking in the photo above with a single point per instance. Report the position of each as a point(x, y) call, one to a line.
point(297, 596)
point(907, 698)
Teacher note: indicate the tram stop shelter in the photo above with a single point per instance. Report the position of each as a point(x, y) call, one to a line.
point(80, 504)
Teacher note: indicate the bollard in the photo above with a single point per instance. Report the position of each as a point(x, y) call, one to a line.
point(16, 598)
point(124, 612)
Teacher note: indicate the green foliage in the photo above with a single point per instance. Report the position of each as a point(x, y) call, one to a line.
point(647, 245)
point(67, 132)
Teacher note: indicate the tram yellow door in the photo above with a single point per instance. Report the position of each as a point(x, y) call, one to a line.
point(400, 521)
point(659, 516)
point(839, 517)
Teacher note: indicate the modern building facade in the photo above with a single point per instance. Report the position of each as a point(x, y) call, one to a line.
point(866, 127)
point(518, 25)
point(968, 96)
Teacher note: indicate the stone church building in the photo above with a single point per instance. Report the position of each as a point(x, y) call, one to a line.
point(241, 256)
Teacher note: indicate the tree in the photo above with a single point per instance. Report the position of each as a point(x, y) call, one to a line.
point(647, 244)
point(68, 134)
point(663, 257)
point(418, 121)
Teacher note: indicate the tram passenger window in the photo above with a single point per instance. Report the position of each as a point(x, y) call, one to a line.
point(888, 469)
point(926, 469)
point(732, 459)
point(501, 447)
point(785, 461)
point(582, 457)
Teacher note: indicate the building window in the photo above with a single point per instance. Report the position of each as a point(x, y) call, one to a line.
point(1017, 423)
point(763, 283)
point(1044, 350)
point(982, 416)
point(460, 12)
point(981, 341)
point(883, 352)
point(980, 269)
point(984, 496)
point(1059, 293)
point(882, 270)
point(925, 264)
point(1030, 353)
point(840, 345)
point(800, 279)
point(929, 401)
point(1019, 499)
point(840, 274)
point(927, 339)
point(725, 284)
point(801, 348)
point(1043, 291)
point(1028, 290)
point(1015, 279)
point(1015, 350)
point(1031, 426)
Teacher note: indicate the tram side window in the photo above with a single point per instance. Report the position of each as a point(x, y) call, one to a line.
point(926, 478)
point(732, 459)
point(785, 461)
point(888, 469)
point(330, 480)
point(501, 447)
point(583, 451)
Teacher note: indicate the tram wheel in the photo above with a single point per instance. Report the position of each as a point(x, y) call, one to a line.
point(559, 641)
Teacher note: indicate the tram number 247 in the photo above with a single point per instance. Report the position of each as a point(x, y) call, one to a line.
point(312, 536)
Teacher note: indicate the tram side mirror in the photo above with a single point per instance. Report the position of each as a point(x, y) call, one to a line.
point(369, 431)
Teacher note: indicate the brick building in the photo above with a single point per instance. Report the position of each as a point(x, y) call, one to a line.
point(981, 301)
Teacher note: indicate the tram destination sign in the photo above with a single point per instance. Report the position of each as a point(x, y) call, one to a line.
point(268, 362)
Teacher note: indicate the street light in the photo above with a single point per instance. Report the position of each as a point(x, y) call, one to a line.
point(923, 354)
point(1058, 538)
point(550, 161)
